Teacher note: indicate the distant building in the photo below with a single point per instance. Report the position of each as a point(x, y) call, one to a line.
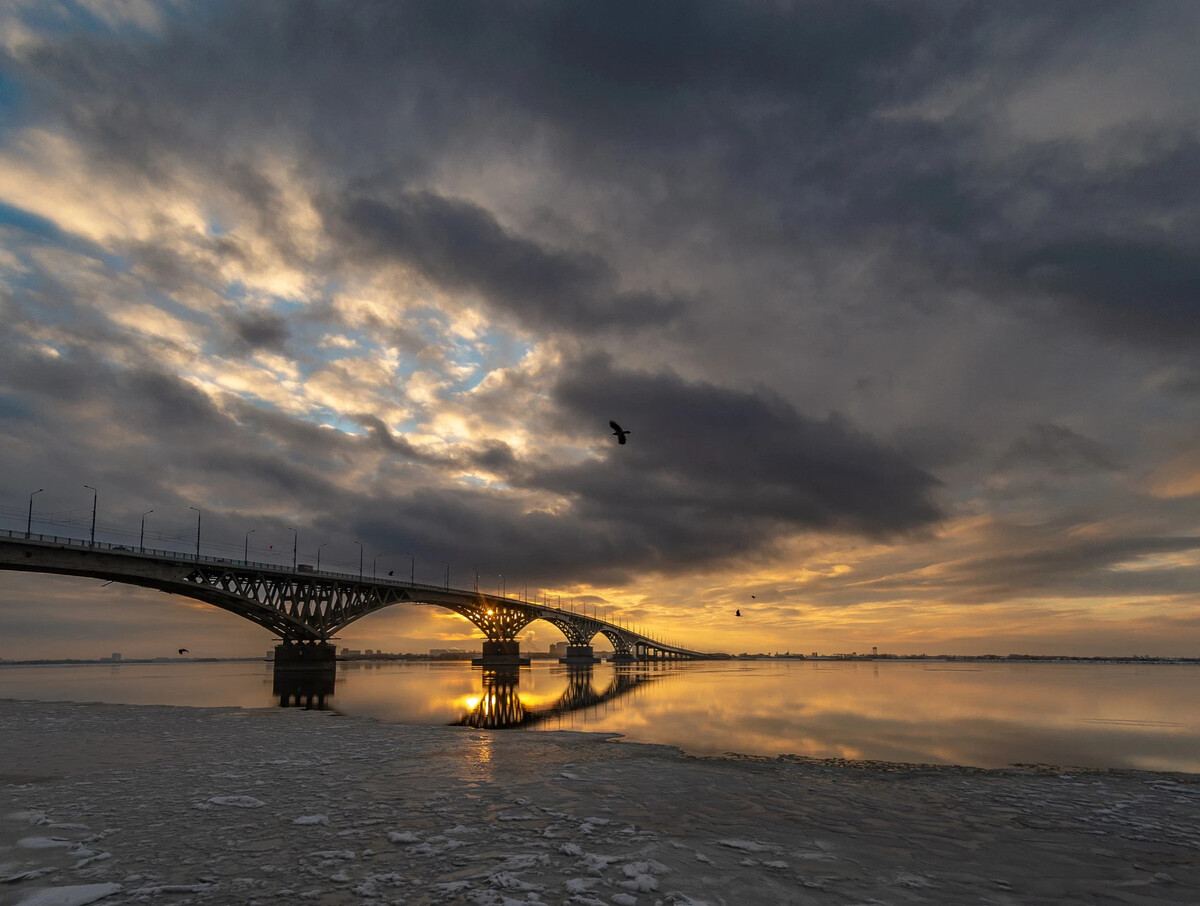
point(558, 649)
point(115, 656)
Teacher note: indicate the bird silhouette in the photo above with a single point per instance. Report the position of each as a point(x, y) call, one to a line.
point(183, 651)
point(737, 613)
point(619, 433)
point(391, 572)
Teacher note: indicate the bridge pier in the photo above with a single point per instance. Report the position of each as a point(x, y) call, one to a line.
point(293, 655)
point(579, 654)
point(501, 654)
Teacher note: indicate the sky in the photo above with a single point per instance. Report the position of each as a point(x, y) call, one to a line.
point(899, 301)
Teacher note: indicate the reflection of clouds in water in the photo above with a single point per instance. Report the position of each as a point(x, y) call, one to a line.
point(989, 714)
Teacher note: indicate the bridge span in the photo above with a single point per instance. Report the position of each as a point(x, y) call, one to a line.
point(306, 608)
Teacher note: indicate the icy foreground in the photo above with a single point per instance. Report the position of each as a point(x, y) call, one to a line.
point(119, 804)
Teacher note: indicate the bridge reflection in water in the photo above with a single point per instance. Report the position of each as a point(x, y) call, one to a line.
point(498, 706)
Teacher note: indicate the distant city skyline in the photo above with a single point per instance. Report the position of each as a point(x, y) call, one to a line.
point(896, 303)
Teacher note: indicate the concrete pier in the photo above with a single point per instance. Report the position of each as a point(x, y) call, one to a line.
point(579, 654)
point(305, 656)
point(501, 654)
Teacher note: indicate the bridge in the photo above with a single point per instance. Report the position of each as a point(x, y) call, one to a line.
point(306, 608)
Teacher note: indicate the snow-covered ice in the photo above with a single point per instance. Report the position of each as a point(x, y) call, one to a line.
point(206, 807)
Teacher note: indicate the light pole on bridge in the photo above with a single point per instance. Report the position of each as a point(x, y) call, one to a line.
point(197, 509)
point(502, 585)
point(374, 560)
point(29, 522)
point(360, 560)
point(246, 547)
point(95, 495)
point(319, 546)
point(447, 565)
point(412, 569)
point(295, 545)
point(142, 533)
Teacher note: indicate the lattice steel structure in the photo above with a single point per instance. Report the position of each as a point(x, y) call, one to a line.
point(305, 606)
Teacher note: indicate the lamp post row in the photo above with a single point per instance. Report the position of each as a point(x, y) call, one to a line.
point(412, 565)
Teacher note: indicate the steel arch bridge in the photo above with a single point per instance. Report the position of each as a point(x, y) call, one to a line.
point(306, 607)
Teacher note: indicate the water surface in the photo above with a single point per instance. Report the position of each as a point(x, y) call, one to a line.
point(982, 714)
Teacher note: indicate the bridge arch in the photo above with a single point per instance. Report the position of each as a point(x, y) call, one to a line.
point(302, 605)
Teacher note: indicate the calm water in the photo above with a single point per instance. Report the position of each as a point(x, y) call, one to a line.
point(989, 715)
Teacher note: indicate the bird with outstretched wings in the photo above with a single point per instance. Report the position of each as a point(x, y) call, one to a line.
point(183, 651)
point(619, 432)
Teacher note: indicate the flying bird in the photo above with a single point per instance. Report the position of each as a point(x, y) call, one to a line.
point(183, 651)
point(391, 572)
point(737, 613)
point(619, 433)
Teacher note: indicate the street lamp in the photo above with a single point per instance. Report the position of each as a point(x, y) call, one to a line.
point(319, 546)
point(142, 533)
point(246, 548)
point(295, 545)
point(360, 556)
point(412, 570)
point(29, 523)
point(95, 494)
point(502, 585)
point(197, 509)
point(447, 565)
point(374, 560)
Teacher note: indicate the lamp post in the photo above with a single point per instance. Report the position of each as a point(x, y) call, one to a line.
point(29, 522)
point(95, 495)
point(502, 585)
point(197, 509)
point(447, 565)
point(319, 546)
point(246, 547)
point(374, 560)
point(142, 533)
point(360, 556)
point(412, 570)
point(295, 545)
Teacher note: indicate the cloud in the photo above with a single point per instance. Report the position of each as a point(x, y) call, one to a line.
point(1130, 289)
point(261, 330)
point(867, 282)
point(460, 246)
point(707, 460)
point(1058, 450)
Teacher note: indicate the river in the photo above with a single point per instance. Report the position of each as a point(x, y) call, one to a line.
point(941, 712)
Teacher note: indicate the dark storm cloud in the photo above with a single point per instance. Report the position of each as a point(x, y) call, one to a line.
point(261, 330)
point(1130, 289)
point(1058, 449)
point(763, 121)
point(704, 458)
point(1067, 566)
point(460, 246)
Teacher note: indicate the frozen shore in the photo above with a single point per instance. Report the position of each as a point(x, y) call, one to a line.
point(128, 804)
